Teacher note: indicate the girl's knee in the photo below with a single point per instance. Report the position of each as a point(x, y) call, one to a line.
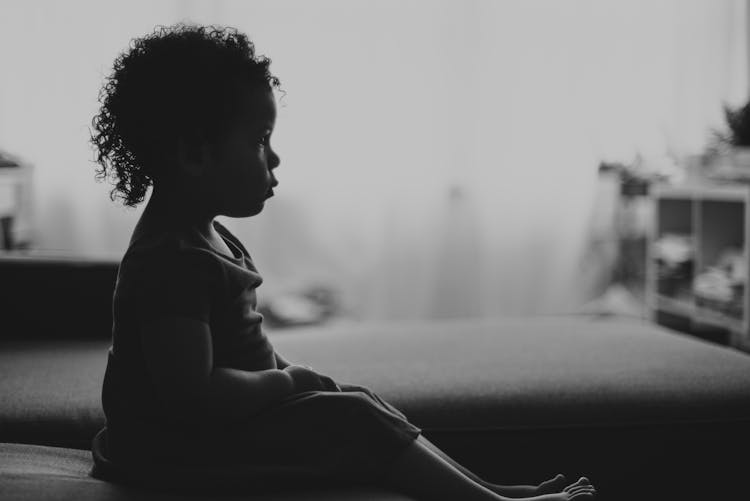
point(354, 399)
point(355, 403)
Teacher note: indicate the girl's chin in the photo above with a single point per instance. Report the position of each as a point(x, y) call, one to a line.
point(247, 210)
point(257, 208)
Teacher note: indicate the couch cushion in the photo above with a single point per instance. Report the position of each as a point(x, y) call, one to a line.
point(513, 373)
point(56, 297)
point(613, 399)
point(639, 408)
point(50, 391)
point(38, 473)
point(545, 371)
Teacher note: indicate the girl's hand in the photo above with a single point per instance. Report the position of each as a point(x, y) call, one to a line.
point(306, 379)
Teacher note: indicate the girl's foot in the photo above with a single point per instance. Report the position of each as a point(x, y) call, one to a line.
point(557, 488)
point(552, 486)
point(582, 489)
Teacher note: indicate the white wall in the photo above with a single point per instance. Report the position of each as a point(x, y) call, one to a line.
point(54, 57)
point(438, 158)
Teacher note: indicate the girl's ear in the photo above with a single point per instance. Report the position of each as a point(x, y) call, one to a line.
point(192, 156)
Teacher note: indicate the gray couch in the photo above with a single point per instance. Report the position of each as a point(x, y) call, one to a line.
point(645, 412)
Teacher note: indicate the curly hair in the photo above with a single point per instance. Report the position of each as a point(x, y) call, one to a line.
point(179, 82)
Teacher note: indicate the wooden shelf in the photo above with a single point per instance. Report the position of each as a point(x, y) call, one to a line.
point(699, 314)
point(714, 219)
point(731, 193)
point(715, 318)
point(674, 306)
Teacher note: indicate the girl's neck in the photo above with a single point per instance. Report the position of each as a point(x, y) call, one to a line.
point(176, 209)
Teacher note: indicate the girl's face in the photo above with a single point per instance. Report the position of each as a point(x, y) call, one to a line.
point(241, 176)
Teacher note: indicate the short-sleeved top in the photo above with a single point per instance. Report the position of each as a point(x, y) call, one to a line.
point(179, 273)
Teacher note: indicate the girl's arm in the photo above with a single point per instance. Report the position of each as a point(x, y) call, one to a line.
point(281, 362)
point(179, 356)
point(300, 374)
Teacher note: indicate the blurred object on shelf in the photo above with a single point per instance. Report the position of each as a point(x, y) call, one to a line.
point(736, 133)
point(308, 305)
point(15, 202)
point(674, 250)
point(675, 256)
point(729, 167)
point(732, 261)
point(713, 285)
point(621, 223)
point(637, 176)
point(617, 300)
point(722, 287)
point(727, 157)
point(8, 161)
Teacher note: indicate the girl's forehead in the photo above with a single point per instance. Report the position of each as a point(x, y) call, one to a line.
point(257, 107)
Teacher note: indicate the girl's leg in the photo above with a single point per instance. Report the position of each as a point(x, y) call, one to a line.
point(553, 485)
point(422, 473)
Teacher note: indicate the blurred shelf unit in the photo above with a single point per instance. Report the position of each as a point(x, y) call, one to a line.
point(697, 269)
point(15, 204)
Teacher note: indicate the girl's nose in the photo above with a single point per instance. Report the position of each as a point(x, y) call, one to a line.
point(274, 160)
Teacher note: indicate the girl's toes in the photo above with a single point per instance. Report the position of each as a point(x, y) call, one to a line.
point(579, 483)
point(578, 491)
point(553, 485)
point(558, 481)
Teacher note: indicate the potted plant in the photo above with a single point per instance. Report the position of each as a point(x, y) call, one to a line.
point(735, 141)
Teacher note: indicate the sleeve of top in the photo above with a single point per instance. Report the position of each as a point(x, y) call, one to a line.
point(185, 283)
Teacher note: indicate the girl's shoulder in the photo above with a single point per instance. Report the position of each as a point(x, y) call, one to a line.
point(161, 244)
point(178, 254)
point(172, 251)
point(168, 273)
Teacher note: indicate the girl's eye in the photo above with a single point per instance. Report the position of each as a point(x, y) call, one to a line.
point(263, 141)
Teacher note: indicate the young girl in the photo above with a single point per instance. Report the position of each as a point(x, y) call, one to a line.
point(192, 382)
